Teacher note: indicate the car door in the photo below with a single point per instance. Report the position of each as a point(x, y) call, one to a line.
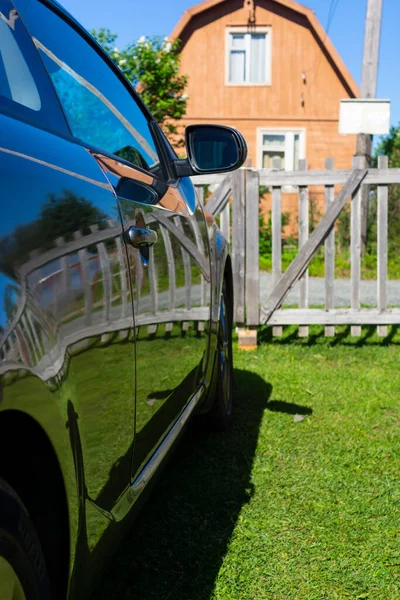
point(63, 244)
point(171, 293)
point(171, 279)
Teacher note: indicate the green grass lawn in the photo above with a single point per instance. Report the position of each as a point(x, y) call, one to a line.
point(342, 264)
point(279, 508)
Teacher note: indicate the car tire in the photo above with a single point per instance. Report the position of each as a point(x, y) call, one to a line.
point(220, 415)
point(23, 571)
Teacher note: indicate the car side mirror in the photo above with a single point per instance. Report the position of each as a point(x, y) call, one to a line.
point(211, 149)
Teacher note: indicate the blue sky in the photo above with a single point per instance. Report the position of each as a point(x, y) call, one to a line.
point(131, 19)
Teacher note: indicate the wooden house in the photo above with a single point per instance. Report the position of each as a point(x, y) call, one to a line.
point(267, 68)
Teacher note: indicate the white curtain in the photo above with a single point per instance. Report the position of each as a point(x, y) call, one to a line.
point(237, 59)
point(257, 58)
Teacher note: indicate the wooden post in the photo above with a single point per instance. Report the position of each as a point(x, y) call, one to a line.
point(248, 336)
point(382, 330)
point(368, 90)
point(329, 253)
point(276, 237)
point(238, 244)
point(355, 248)
point(303, 237)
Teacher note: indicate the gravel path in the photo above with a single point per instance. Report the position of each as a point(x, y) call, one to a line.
point(342, 291)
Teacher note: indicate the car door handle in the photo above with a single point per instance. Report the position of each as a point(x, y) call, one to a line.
point(140, 238)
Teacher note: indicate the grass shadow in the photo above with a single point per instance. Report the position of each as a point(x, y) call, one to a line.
point(288, 408)
point(177, 545)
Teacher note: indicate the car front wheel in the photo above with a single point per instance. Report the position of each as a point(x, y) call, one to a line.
point(23, 573)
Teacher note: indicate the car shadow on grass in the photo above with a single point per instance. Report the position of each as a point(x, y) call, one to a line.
point(177, 544)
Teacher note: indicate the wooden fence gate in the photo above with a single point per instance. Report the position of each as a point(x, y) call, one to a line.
point(239, 220)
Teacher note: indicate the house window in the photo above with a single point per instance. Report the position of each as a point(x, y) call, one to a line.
point(289, 146)
point(249, 58)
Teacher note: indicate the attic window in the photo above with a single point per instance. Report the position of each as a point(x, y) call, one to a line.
point(248, 57)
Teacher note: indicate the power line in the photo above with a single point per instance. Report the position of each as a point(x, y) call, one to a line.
point(331, 14)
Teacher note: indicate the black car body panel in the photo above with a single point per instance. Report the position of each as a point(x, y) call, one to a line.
point(106, 347)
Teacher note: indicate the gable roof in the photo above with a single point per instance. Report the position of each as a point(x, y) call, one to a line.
point(315, 27)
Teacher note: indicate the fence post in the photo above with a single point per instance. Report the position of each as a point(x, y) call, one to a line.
point(382, 330)
point(238, 244)
point(276, 237)
point(329, 253)
point(303, 237)
point(358, 163)
point(248, 336)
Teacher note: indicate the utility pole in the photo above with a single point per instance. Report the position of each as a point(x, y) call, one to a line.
point(368, 90)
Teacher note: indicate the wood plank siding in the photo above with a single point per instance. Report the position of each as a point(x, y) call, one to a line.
point(308, 80)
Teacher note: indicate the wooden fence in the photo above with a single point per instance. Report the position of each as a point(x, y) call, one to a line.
point(235, 203)
point(240, 222)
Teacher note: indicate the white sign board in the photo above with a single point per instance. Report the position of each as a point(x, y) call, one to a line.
point(364, 116)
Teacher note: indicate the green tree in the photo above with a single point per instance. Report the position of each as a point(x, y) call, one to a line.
point(390, 147)
point(152, 66)
point(60, 216)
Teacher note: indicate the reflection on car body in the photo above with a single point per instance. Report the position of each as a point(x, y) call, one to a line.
point(106, 349)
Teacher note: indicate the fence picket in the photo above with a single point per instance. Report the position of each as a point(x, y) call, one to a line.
point(276, 236)
point(382, 330)
point(200, 194)
point(221, 195)
point(225, 222)
point(238, 244)
point(303, 237)
point(329, 330)
point(355, 248)
point(252, 249)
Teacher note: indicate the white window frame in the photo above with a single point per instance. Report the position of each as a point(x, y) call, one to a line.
point(289, 144)
point(268, 55)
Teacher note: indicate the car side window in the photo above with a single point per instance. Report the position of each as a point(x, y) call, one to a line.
point(25, 91)
point(98, 107)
